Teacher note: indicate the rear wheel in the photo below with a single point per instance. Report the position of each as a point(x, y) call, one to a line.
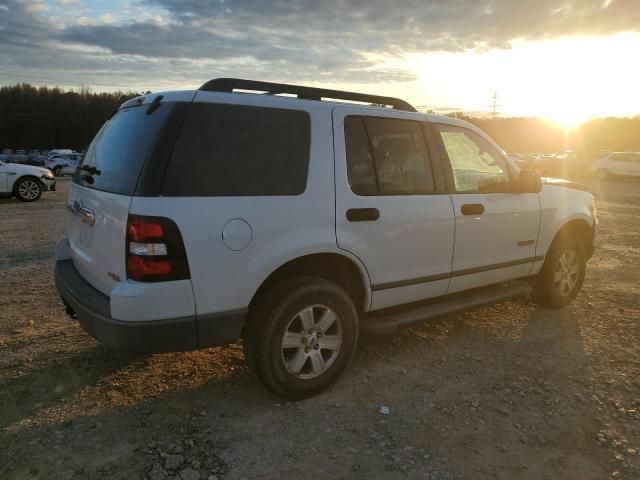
point(301, 335)
point(562, 275)
point(57, 171)
point(601, 174)
point(27, 189)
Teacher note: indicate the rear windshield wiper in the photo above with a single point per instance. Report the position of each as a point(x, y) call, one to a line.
point(90, 170)
point(153, 106)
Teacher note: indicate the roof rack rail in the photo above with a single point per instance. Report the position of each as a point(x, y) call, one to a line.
point(306, 93)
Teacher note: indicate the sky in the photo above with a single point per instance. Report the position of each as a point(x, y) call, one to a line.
point(562, 60)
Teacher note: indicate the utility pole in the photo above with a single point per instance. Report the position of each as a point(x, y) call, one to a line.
point(494, 105)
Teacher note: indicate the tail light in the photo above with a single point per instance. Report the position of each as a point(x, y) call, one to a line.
point(155, 252)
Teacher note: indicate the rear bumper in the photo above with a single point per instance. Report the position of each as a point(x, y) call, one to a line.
point(92, 310)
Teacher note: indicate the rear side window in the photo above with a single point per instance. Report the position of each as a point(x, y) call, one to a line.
point(387, 156)
point(120, 148)
point(232, 150)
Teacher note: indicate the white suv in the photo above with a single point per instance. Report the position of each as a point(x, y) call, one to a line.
point(617, 164)
point(201, 217)
point(63, 164)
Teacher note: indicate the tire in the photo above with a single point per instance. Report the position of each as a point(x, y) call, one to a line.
point(27, 189)
point(314, 312)
point(57, 171)
point(562, 274)
point(602, 174)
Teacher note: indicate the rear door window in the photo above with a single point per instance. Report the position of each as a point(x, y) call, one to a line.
point(387, 156)
point(234, 150)
point(361, 171)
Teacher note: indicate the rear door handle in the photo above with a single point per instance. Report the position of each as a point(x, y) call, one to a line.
point(472, 209)
point(363, 214)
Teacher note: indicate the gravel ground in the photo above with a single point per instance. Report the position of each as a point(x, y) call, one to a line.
point(508, 391)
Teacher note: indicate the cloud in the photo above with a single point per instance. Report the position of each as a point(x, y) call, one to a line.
point(296, 40)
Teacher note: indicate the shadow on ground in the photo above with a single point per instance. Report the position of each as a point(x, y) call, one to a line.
point(494, 393)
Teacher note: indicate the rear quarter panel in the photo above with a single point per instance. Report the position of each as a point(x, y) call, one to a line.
point(282, 228)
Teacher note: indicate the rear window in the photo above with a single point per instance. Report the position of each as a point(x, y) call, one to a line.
point(232, 150)
point(120, 148)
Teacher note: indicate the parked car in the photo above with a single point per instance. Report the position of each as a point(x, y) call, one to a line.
point(60, 151)
point(18, 158)
point(199, 217)
point(25, 160)
point(566, 165)
point(7, 151)
point(617, 164)
point(39, 161)
point(63, 164)
point(523, 161)
point(25, 182)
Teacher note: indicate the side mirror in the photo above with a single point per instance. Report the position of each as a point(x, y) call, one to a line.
point(529, 182)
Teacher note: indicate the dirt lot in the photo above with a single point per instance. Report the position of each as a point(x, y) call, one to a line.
point(510, 391)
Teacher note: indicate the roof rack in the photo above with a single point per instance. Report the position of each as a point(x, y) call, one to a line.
point(306, 93)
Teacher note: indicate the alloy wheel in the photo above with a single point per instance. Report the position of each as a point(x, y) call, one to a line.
point(566, 272)
point(29, 189)
point(312, 341)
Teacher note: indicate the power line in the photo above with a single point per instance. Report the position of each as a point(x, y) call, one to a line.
point(494, 104)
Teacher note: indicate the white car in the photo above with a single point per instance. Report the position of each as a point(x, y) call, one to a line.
point(60, 151)
point(200, 217)
point(617, 164)
point(25, 182)
point(63, 164)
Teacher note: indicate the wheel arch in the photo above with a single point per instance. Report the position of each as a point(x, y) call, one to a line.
point(22, 177)
point(335, 267)
point(576, 228)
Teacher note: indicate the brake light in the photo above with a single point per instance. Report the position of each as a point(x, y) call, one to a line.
point(138, 229)
point(155, 251)
point(138, 267)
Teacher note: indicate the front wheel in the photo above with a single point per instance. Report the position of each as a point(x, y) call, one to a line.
point(562, 274)
point(302, 333)
point(28, 189)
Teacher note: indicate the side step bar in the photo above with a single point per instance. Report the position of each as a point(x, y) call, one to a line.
point(389, 320)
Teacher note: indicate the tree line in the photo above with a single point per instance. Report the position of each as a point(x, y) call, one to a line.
point(50, 117)
point(533, 135)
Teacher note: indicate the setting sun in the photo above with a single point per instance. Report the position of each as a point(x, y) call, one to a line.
point(567, 80)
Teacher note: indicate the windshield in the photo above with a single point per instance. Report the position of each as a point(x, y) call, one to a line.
point(117, 153)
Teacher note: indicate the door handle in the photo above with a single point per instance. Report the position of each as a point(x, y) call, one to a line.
point(86, 213)
point(472, 209)
point(363, 214)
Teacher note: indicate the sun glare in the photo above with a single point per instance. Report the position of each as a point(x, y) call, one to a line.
point(566, 81)
point(569, 116)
